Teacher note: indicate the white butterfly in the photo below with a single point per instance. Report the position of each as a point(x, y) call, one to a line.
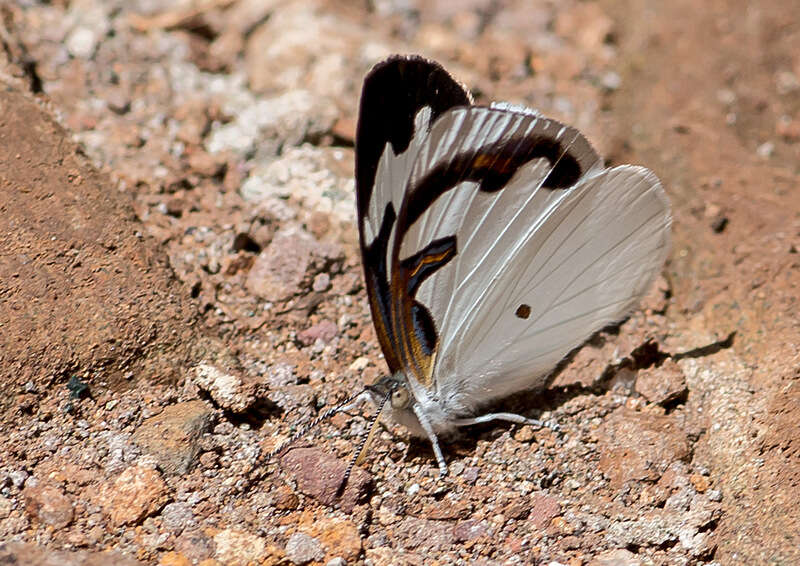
point(494, 241)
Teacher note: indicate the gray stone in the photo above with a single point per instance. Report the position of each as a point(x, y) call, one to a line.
point(173, 436)
point(324, 331)
point(287, 267)
point(177, 516)
point(302, 549)
point(228, 390)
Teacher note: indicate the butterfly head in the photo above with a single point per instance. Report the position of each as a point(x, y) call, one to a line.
point(411, 404)
point(402, 399)
point(395, 387)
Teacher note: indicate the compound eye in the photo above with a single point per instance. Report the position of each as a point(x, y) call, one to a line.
point(400, 398)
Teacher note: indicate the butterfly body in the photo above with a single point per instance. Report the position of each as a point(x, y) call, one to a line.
point(494, 241)
point(408, 396)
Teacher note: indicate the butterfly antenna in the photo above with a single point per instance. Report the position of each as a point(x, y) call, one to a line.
point(328, 413)
point(364, 444)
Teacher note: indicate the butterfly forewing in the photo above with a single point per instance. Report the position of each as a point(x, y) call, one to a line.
point(394, 92)
point(401, 97)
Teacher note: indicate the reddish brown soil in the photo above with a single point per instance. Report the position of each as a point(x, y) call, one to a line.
point(84, 290)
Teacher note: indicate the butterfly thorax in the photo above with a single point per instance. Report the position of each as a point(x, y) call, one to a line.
point(410, 402)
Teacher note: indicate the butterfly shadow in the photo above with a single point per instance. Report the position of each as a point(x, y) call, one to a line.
point(534, 403)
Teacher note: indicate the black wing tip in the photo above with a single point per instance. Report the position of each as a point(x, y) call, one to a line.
point(394, 91)
point(405, 63)
point(401, 60)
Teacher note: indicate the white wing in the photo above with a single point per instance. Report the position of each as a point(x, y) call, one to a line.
point(392, 174)
point(538, 270)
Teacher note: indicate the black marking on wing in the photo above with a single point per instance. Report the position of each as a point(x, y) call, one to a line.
point(394, 91)
point(416, 350)
point(492, 166)
point(424, 328)
point(426, 262)
point(523, 311)
point(376, 274)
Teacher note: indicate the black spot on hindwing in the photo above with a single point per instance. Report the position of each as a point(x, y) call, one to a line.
point(523, 311)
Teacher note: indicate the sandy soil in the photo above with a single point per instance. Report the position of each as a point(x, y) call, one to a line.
point(180, 289)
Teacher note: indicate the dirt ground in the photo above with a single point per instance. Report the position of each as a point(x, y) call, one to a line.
point(180, 289)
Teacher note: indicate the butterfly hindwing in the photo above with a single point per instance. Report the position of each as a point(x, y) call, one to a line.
point(590, 258)
point(545, 247)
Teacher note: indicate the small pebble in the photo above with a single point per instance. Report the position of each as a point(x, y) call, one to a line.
point(302, 549)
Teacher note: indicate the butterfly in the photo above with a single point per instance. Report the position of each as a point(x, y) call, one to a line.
point(494, 241)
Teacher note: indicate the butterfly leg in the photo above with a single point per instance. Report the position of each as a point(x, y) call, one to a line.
point(426, 426)
point(511, 417)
